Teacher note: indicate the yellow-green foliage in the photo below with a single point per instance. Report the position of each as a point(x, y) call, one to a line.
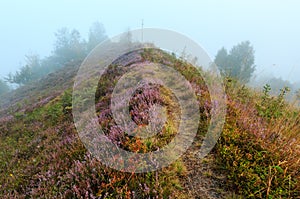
point(254, 151)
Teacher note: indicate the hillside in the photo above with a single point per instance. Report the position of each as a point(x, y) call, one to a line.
point(257, 155)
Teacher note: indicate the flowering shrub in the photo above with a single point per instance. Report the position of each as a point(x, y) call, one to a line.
point(44, 157)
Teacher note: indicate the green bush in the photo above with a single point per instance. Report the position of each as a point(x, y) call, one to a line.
point(271, 107)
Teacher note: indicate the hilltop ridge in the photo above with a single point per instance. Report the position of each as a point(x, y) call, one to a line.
point(257, 155)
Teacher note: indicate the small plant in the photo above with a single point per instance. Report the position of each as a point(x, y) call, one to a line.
point(271, 107)
point(67, 102)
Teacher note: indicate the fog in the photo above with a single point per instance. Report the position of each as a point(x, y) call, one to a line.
point(272, 27)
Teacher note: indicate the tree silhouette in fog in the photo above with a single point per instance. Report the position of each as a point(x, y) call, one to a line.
point(69, 46)
point(238, 63)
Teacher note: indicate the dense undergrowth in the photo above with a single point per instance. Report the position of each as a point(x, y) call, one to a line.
point(42, 157)
point(259, 147)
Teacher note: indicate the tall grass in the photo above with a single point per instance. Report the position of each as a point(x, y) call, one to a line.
point(260, 144)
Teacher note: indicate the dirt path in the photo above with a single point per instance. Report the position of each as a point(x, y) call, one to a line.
point(202, 179)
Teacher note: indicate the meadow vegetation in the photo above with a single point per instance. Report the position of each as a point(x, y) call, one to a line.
point(42, 157)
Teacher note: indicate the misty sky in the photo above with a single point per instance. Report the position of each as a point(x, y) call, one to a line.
point(272, 27)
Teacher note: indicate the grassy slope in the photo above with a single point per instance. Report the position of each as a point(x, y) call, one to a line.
point(42, 156)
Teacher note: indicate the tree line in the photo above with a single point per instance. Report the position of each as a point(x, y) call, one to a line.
point(69, 46)
point(238, 63)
